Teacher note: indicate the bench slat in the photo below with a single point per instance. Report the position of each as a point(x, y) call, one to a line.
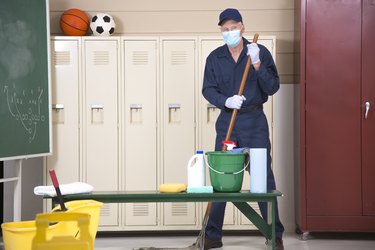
point(150, 196)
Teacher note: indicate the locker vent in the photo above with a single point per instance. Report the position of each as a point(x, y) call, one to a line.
point(101, 57)
point(140, 57)
point(105, 211)
point(178, 57)
point(61, 58)
point(141, 209)
point(179, 209)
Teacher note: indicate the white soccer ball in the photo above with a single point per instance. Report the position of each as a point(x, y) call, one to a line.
point(102, 24)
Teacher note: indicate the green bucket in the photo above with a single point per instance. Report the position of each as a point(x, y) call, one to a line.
point(226, 170)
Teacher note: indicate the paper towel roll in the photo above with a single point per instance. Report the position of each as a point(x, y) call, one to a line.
point(258, 170)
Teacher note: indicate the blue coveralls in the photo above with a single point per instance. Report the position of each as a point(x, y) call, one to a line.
point(222, 79)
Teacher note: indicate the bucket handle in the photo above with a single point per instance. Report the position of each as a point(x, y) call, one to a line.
point(219, 172)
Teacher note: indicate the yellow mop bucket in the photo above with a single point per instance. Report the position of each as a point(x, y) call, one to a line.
point(63, 241)
point(19, 235)
point(91, 207)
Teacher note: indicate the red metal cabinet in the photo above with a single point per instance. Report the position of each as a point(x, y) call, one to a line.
point(368, 95)
point(337, 170)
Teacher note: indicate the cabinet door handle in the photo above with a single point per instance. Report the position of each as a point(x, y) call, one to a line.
point(136, 106)
point(210, 106)
point(174, 106)
point(97, 106)
point(57, 106)
point(367, 106)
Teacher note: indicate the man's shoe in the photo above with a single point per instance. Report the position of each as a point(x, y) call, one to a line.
point(208, 243)
point(279, 244)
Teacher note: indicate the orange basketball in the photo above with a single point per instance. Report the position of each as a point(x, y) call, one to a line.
point(74, 22)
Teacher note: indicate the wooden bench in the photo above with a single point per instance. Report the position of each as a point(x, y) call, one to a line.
point(239, 199)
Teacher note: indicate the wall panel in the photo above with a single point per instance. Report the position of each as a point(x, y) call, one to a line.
point(171, 5)
point(165, 17)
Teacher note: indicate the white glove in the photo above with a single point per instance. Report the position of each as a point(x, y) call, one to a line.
point(253, 52)
point(235, 102)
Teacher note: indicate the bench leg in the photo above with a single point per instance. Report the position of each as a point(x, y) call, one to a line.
point(272, 207)
point(255, 218)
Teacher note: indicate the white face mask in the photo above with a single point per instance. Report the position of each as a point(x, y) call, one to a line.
point(232, 38)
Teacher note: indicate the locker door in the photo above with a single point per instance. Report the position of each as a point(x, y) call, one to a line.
point(209, 114)
point(368, 95)
point(178, 111)
point(101, 140)
point(333, 146)
point(140, 74)
point(65, 111)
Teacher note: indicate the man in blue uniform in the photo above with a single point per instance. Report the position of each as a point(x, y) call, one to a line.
point(222, 79)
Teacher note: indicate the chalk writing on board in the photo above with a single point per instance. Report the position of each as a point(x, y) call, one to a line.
point(25, 107)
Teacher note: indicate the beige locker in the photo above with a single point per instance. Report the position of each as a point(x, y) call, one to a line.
point(65, 110)
point(208, 117)
point(178, 81)
point(101, 138)
point(140, 138)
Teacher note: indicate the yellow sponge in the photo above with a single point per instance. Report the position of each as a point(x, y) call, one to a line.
point(172, 187)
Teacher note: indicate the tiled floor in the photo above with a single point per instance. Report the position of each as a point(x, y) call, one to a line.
point(253, 242)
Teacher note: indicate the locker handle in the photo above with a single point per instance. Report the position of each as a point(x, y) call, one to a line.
point(174, 113)
point(97, 106)
point(210, 106)
point(367, 106)
point(135, 106)
point(57, 107)
point(174, 106)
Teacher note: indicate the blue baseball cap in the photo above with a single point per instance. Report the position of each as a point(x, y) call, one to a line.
point(230, 14)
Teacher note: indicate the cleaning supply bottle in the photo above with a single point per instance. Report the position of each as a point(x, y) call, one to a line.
point(196, 170)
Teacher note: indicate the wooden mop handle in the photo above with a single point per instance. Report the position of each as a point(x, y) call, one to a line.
point(57, 189)
point(240, 91)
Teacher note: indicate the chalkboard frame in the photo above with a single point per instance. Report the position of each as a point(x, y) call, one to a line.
point(46, 151)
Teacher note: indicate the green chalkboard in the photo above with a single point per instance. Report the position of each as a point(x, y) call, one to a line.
point(24, 79)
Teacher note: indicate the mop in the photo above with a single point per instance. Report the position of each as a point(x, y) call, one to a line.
point(199, 243)
point(156, 248)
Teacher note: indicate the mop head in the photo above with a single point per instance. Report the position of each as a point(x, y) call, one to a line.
point(199, 243)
